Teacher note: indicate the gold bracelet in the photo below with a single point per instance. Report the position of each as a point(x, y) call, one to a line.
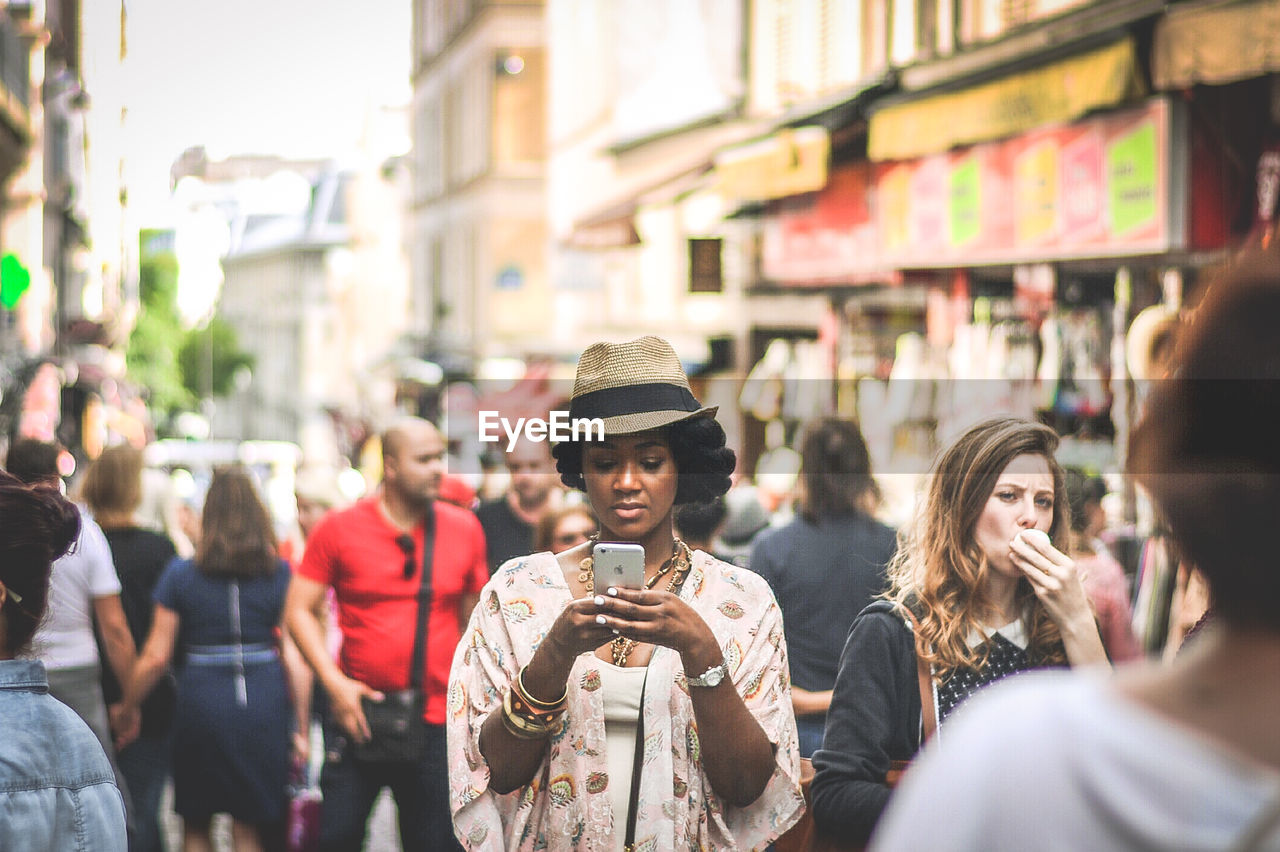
point(539, 707)
point(520, 726)
point(519, 733)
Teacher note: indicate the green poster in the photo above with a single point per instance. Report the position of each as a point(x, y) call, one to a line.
point(966, 209)
point(14, 280)
point(1131, 179)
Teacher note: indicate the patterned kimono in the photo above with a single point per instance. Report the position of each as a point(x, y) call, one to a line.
point(566, 805)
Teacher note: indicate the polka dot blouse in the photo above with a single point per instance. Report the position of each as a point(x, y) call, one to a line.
point(1005, 659)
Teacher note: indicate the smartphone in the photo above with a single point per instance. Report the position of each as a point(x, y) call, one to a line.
point(618, 564)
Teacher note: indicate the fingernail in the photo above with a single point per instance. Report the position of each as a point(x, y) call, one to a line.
point(615, 631)
point(612, 591)
point(600, 620)
point(599, 600)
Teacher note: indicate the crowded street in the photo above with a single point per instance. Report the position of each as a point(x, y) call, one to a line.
point(567, 425)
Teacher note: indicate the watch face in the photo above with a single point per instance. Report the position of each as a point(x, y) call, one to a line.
point(711, 677)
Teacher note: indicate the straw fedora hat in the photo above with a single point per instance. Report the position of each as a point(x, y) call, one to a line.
point(633, 387)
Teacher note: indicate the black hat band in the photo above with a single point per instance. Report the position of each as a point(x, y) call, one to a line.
point(633, 399)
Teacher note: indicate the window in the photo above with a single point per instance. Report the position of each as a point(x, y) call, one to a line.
point(704, 266)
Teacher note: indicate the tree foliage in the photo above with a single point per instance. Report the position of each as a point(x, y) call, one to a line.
point(150, 358)
point(209, 359)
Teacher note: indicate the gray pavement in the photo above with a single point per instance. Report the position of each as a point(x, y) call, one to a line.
point(384, 835)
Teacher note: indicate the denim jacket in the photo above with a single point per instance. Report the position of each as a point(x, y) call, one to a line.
point(57, 790)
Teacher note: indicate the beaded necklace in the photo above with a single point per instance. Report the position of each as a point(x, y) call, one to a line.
point(677, 566)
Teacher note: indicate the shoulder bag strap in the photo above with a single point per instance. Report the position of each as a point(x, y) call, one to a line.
point(424, 600)
point(924, 679)
point(637, 766)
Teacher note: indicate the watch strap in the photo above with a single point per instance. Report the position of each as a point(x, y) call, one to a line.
point(702, 680)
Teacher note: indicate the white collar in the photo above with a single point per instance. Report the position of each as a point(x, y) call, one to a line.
point(1013, 631)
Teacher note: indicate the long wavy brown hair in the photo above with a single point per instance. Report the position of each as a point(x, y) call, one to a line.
point(939, 572)
point(237, 538)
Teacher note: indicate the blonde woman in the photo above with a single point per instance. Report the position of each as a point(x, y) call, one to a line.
point(989, 597)
point(1184, 755)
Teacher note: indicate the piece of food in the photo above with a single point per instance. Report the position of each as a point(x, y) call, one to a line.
point(1035, 538)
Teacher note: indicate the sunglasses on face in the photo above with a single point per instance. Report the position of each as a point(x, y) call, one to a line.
point(405, 542)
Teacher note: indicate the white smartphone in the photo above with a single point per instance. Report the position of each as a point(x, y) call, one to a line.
point(618, 564)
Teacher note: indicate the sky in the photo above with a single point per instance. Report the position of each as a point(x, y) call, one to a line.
point(286, 77)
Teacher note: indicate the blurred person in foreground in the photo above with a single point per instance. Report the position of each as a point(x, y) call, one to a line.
point(991, 595)
point(559, 681)
point(1103, 578)
point(825, 565)
point(565, 528)
point(57, 788)
point(112, 489)
point(1182, 756)
point(372, 555)
point(510, 520)
point(219, 613)
point(83, 589)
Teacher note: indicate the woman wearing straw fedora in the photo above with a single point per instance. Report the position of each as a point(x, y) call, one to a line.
point(585, 717)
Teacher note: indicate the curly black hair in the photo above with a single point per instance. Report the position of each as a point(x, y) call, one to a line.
point(703, 462)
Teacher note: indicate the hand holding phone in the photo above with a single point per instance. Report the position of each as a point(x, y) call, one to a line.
point(618, 564)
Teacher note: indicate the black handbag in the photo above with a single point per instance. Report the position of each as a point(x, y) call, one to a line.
point(397, 732)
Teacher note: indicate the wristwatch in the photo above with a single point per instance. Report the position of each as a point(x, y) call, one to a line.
point(711, 677)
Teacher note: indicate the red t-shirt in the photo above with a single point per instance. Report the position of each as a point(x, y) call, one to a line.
point(354, 551)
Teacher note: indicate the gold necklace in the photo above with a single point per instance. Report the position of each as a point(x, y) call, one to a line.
point(677, 566)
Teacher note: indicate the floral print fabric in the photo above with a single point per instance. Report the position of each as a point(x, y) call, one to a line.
point(566, 805)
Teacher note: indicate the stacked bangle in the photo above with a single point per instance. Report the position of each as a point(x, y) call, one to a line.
point(528, 718)
point(535, 704)
point(526, 727)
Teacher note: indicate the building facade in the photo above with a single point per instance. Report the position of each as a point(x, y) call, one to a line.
point(477, 238)
point(318, 298)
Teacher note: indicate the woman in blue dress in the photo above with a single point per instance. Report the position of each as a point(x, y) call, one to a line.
point(221, 612)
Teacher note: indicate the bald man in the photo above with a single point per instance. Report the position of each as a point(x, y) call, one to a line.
point(371, 556)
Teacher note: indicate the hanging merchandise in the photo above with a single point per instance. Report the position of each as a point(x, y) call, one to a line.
point(762, 391)
point(807, 383)
point(1157, 578)
point(1268, 181)
point(1050, 370)
point(1075, 357)
point(913, 402)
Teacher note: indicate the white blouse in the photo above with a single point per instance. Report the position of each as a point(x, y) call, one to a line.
point(621, 689)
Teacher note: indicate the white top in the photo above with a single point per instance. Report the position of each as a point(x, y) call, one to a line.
point(621, 689)
point(65, 637)
point(1054, 760)
point(1013, 631)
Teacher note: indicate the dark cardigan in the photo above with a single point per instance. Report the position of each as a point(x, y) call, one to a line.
point(874, 719)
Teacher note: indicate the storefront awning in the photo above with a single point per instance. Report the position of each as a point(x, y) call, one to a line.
point(1052, 94)
point(1216, 43)
point(614, 226)
point(787, 162)
point(610, 228)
